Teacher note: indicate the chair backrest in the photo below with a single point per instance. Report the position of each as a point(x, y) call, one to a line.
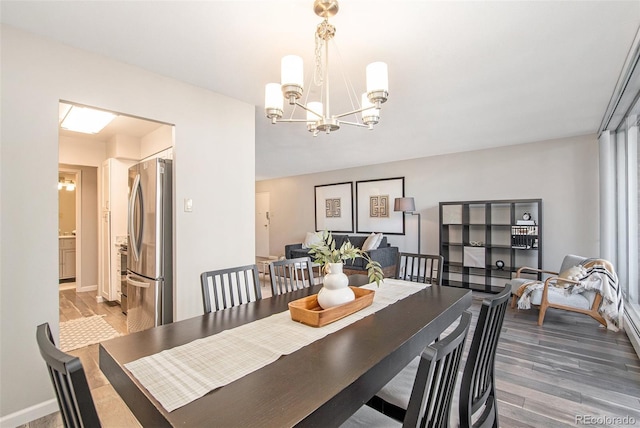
point(478, 380)
point(225, 288)
point(290, 275)
point(69, 381)
point(423, 268)
point(432, 393)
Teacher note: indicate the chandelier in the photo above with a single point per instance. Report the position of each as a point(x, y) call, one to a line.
point(319, 117)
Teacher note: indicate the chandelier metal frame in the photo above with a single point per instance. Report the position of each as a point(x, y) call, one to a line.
point(319, 117)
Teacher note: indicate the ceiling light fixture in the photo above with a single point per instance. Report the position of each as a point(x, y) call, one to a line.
point(86, 120)
point(319, 116)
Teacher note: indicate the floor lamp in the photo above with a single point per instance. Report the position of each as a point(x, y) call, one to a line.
point(408, 205)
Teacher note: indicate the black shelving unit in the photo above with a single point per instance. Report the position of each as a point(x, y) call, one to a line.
point(476, 235)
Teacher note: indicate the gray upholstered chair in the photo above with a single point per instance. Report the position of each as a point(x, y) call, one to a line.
point(546, 295)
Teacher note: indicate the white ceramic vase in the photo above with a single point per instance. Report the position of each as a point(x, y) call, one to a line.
point(335, 289)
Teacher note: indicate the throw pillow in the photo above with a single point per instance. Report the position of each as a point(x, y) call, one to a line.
point(574, 273)
point(379, 241)
point(311, 239)
point(370, 242)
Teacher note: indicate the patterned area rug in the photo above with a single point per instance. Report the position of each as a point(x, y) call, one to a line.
point(82, 332)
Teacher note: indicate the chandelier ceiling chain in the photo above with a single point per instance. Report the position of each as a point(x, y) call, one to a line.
point(291, 87)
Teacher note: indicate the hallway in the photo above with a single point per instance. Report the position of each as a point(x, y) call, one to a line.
point(78, 305)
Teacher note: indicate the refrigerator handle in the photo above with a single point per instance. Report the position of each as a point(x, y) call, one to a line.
point(132, 232)
point(135, 283)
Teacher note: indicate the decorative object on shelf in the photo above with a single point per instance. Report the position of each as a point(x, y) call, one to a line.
point(476, 243)
point(319, 117)
point(335, 290)
point(368, 216)
point(334, 207)
point(526, 220)
point(408, 206)
point(500, 264)
point(524, 237)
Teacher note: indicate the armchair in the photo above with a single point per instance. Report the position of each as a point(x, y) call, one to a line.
point(548, 294)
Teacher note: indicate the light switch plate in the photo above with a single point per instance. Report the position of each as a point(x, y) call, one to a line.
point(188, 205)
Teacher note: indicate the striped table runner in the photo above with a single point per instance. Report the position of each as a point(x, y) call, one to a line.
point(180, 375)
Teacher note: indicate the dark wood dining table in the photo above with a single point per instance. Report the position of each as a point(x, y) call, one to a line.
point(319, 385)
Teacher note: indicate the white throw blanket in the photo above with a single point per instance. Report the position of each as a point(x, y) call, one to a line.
point(525, 298)
point(601, 278)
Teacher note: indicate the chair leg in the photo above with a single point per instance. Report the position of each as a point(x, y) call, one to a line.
point(543, 310)
point(596, 316)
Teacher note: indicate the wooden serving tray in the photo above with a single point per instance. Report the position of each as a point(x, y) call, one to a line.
point(308, 311)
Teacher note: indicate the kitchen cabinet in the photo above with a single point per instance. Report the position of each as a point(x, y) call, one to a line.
point(67, 257)
point(114, 197)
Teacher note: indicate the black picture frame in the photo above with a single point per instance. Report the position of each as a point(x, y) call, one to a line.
point(334, 207)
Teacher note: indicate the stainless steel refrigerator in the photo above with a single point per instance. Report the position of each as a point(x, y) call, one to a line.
point(150, 258)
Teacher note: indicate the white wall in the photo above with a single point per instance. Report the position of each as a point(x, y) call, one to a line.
point(564, 173)
point(81, 151)
point(156, 141)
point(123, 147)
point(36, 74)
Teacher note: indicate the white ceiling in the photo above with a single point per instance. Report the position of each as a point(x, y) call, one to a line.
point(462, 75)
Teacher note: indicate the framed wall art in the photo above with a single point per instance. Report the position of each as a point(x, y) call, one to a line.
point(334, 207)
point(374, 206)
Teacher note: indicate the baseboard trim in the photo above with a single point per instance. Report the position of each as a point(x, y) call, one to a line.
point(632, 328)
point(87, 288)
point(29, 414)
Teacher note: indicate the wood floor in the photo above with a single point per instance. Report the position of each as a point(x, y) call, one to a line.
point(111, 409)
point(548, 376)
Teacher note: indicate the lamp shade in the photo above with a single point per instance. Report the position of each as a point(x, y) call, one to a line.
point(377, 77)
point(273, 96)
point(404, 204)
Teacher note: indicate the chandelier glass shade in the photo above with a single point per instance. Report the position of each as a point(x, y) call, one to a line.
point(318, 113)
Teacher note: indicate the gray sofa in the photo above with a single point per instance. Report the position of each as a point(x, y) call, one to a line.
point(385, 254)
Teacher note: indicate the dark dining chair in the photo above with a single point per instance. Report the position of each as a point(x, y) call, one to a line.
point(433, 386)
point(478, 388)
point(478, 380)
point(69, 381)
point(424, 268)
point(290, 275)
point(226, 288)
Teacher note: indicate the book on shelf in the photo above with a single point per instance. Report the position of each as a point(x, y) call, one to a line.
point(526, 222)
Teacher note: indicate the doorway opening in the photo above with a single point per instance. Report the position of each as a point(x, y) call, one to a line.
point(93, 283)
point(69, 226)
